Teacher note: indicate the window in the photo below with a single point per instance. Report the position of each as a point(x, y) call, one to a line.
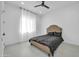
point(27, 22)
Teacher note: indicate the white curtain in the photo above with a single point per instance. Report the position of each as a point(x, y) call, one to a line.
point(27, 25)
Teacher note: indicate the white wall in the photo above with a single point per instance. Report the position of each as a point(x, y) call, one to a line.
point(68, 19)
point(0, 17)
point(1, 43)
point(38, 25)
point(0, 33)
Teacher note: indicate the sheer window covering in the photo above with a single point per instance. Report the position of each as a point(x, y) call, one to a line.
point(27, 22)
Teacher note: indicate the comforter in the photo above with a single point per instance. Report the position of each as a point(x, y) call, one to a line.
point(49, 40)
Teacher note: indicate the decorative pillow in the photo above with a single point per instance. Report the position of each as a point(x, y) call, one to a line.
point(57, 34)
point(51, 33)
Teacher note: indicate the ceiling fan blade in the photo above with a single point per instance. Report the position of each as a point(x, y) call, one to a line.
point(37, 5)
point(46, 6)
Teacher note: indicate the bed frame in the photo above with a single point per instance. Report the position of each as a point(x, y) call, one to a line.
point(46, 49)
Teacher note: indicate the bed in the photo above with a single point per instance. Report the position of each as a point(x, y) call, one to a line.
point(50, 41)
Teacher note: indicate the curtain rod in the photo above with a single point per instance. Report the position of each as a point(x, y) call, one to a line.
point(28, 10)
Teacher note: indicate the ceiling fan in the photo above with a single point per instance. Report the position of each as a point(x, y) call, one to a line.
point(42, 5)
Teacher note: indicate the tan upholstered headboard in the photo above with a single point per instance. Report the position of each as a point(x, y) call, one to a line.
point(54, 28)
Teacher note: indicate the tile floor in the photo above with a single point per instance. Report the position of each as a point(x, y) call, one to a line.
point(26, 50)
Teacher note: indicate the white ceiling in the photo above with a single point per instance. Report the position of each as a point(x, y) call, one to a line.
point(29, 5)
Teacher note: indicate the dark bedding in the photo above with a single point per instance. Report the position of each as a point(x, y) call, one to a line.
point(48, 40)
point(52, 40)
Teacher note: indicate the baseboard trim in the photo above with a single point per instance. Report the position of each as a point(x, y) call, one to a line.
point(16, 43)
point(71, 43)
